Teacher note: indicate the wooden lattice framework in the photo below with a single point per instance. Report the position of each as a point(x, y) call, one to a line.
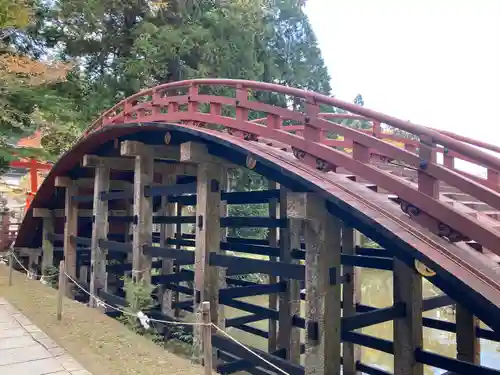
point(172, 146)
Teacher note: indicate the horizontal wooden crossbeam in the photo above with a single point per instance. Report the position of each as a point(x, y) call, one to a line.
point(165, 252)
point(230, 347)
point(170, 190)
point(236, 197)
point(453, 365)
point(239, 266)
point(373, 317)
point(253, 290)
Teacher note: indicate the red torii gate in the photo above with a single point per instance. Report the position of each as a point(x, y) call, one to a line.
point(33, 165)
point(7, 235)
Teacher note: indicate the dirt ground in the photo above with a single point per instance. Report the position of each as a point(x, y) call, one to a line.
point(101, 344)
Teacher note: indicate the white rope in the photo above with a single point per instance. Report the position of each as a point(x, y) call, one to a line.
point(145, 320)
point(248, 349)
point(29, 273)
point(101, 303)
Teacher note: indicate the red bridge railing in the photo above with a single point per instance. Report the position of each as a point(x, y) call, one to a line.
point(312, 135)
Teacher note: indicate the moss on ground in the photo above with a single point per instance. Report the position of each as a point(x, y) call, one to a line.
point(101, 344)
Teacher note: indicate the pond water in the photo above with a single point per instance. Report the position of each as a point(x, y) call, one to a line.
point(376, 290)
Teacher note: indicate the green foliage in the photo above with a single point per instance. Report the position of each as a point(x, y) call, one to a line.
point(50, 275)
point(138, 296)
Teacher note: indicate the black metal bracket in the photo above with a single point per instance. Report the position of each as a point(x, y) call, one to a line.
point(214, 186)
point(197, 297)
point(312, 330)
point(135, 220)
point(200, 222)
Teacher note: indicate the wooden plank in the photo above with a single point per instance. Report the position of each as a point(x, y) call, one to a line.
point(143, 208)
point(322, 234)
point(468, 343)
point(167, 231)
point(193, 152)
point(100, 229)
point(289, 300)
point(351, 297)
point(407, 330)
point(47, 246)
point(128, 164)
point(272, 239)
point(208, 231)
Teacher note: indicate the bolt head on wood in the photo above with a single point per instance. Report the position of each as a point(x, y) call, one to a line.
point(251, 163)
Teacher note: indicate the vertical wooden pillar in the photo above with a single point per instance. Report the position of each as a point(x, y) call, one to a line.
point(70, 225)
point(143, 208)
point(408, 329)
point(273, 298)
point(100, 228)
point(323, 289)
point(221, 272)
point(33, 257)
point(178, 236)
point(468, 344)
point(167, 231)
point(208, 231)
point(47, 246)
point(289, 300)
point(351, 296)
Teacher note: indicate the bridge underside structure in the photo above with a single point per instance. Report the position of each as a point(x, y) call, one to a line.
point(116, 204)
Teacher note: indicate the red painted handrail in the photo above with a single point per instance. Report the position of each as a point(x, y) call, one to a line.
point(180, 102)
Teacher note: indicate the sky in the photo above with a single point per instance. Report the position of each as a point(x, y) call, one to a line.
point(433, 62)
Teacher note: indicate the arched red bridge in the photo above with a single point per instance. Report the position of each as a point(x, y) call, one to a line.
point(171, 147)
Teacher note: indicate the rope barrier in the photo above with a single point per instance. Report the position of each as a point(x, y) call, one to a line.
point(28, 272)
point(145, 320)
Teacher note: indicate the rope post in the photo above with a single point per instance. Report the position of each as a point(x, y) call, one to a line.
point(61, 290)
point(11, 266)
point(207, 338)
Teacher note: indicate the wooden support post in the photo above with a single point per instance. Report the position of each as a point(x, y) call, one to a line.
point(178, 235)
point(289, 300)
point(70, 226)
point(47, 246)
point(408, 329)
point(143, 208)
point(62, 288)
point(11, 265)
point(100, 230)
point(167, 231)
point(84, 274)
point(323, 289)
point(207, 339)
point(351, 296)
point(468, 344)
point(221, 272)
point(33, 257)
point(208, 229)
point(273, 298)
